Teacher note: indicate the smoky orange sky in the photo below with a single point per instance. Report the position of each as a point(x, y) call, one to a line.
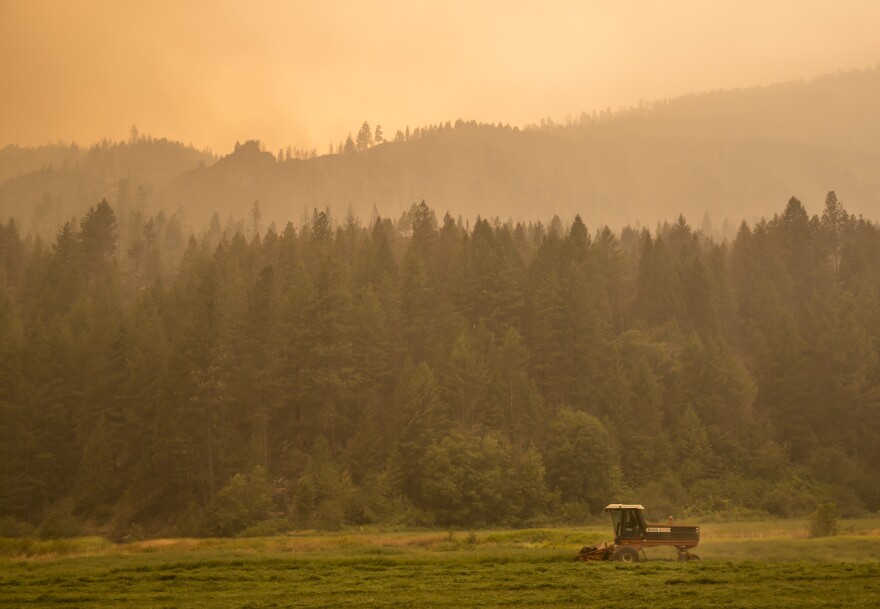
point(307, 73)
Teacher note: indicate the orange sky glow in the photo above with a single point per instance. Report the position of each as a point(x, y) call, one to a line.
point(307, 73)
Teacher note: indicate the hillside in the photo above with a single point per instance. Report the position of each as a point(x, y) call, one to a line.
point(731, 154)
point(43, 186)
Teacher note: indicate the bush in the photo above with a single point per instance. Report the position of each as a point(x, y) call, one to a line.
point(188, 523)
point(662, 497)
point(267, 528)
point(329, 515)
point(790, 498)
point(574, 513)
point(823, 522)
point(135, 533)
point(241, 503)
point(726, 494)
point(58, 524)
point(10, 526)
point(376, 501)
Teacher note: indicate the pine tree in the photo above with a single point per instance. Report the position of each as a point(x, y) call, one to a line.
point(349, 146)
point(419, 418)
point(364, 137)
point(658, 287)
point(513, 392)
point(834, 221)
point(466, 379)
point(98, 235)
point(609, 260)
point(547, 338)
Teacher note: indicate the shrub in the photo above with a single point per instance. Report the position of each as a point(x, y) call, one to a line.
point(241, 503)
point(10, 526)
point(187, 524)
point(329, 515)
point(823, 522)
point(663, 496)
point(790, 498)
point(267, 528)
point(323, 492)
point(574, 513)
point(135, 532)
point(58, 524)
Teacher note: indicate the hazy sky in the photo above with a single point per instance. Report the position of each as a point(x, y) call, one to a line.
point(307, 73)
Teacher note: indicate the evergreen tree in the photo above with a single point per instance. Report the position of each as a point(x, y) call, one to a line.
point(419, 418)
point(659, 290)
point(349, 146)
point(466, 380)
point(364, 137)
point(834, 221)
point(98, 235)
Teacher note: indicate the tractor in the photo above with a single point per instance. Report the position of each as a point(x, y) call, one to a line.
point(632, 535)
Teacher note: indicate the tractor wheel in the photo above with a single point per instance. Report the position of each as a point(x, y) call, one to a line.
point(627, 554)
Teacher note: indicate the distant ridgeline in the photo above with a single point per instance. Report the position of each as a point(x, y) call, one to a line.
point(424, 372)
point(730, 154)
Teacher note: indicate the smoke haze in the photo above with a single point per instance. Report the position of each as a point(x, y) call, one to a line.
point(306, 74)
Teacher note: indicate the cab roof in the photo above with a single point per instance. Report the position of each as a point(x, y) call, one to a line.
point(622, 506)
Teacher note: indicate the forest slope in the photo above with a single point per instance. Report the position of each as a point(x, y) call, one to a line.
point(731, 154)
point(44, 186)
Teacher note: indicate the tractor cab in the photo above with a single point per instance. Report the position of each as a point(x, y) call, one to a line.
point(628, 522)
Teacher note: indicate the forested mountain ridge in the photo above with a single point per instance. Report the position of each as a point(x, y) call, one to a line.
point(44, 186)
point(423, 371)
point(729, 154)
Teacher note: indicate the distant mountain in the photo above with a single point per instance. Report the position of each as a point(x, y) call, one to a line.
point(730, 154)
point(42, 200)
point(44, 185)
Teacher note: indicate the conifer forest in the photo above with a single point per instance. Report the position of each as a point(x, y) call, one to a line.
point(425, 370)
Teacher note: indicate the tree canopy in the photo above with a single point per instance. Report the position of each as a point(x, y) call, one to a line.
point(432, 372)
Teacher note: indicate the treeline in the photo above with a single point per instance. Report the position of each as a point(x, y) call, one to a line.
point(144, 157)
point(428, 372)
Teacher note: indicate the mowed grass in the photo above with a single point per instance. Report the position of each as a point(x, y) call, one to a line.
point(531, 568)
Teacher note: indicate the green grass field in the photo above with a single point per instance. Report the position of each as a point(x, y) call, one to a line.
point(767, 564)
